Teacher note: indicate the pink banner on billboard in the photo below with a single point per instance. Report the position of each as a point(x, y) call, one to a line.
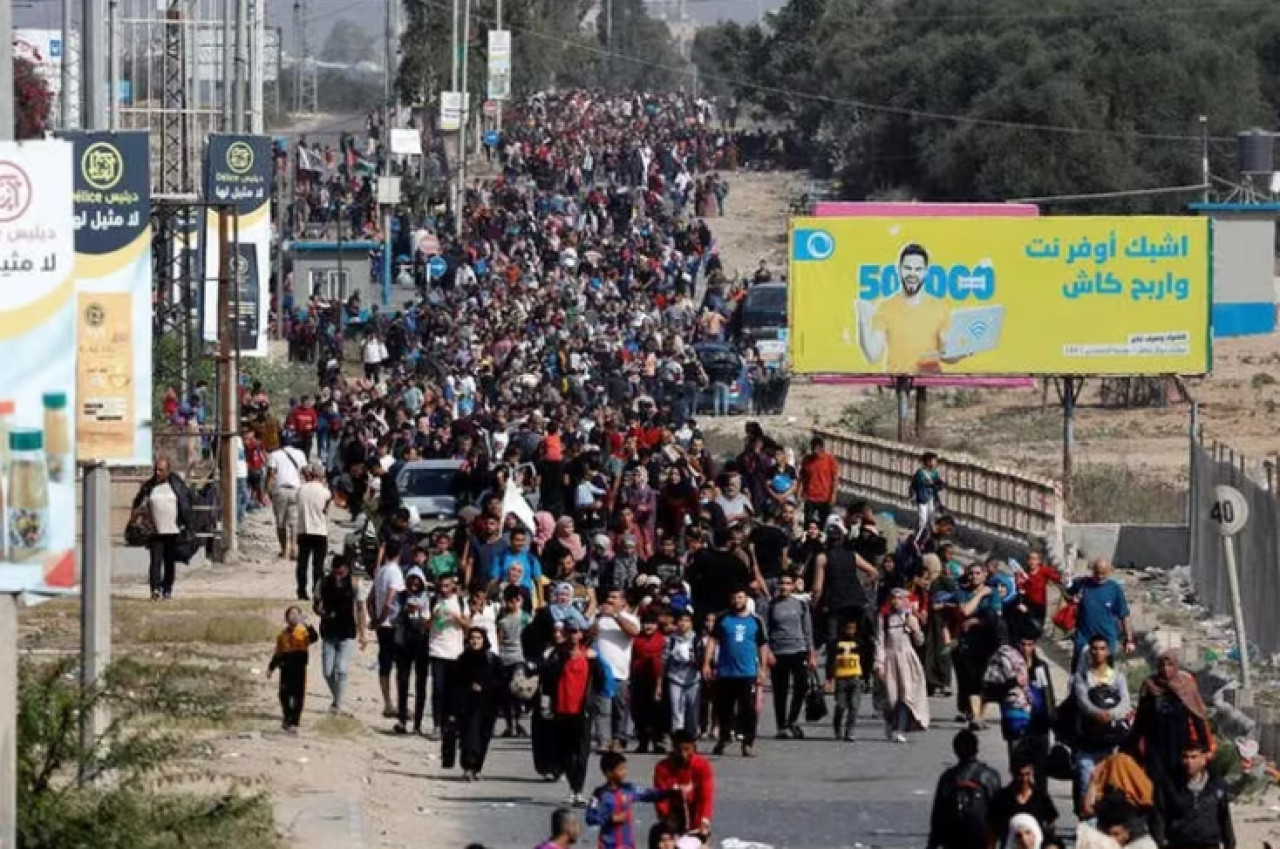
point(866, 209)
point(941, 381)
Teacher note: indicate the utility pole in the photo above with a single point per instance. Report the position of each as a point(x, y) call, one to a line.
point(256, 68)
point(241, 70)
point(8, 601)
point(95, 595)
point(1204, 156)
point(226, 384)
point(68, 69)
point(283, 193)
point(608, 39)
point(228, 66)
point(497, 113)
point(455, 174)
point(466, 111)
point(94, 74)
point(113, 66)
point(387, 258)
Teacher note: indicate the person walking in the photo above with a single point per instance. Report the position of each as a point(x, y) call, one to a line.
point(615, 628)
point(682, 665)
point(838, 591)
point(1103, 611)
point(412, 624)
point(569, 678)
point(790, 628)
point(926, 488)
point(342, 623)
point(687, 785)
point(819, 476)
point(739, 645)
point(284, 479)
point(167, 501)
point(313, 527)
point(474, 696)
point(292, 653)
point(906, 700)
point(1101, 696)
point(962, 803)
point(446, 641)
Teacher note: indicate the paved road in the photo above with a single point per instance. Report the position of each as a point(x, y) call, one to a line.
point(810, 794)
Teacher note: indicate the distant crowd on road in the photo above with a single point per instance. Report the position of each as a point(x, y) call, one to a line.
point(544, 537)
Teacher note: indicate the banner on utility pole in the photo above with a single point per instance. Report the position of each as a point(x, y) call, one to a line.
point(453, 106)
point(499, 64)
point(239, 171)
point(37, 367)
point(113, 282)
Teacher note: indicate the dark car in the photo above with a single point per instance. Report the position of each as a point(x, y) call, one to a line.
point(762, 320)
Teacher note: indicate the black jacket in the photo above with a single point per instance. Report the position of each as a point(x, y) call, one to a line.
point(1190, 820)
point(180, 490)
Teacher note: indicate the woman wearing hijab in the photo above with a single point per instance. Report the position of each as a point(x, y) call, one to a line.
point(1024, 833)
point(544, 530)
point(643, 502)
point(564, 539)
point(1171, 715)
point(906, 702)
point(559, 612)
point(677, 503)
point(474, 696)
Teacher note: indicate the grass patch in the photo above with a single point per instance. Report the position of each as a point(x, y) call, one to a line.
point(961, 399)
point(875, 415)
point(212, 630)
point(1262, 379)
point(1116, 493)
point(338, 726)
point(1026, 425)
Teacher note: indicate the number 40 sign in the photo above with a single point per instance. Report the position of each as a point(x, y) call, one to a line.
point(1230, 510)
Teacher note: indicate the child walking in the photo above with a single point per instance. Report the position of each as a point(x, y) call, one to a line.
point(612, 807)
point(292, 653)
point(849, 680)
point(511, 624)
point(682, 661)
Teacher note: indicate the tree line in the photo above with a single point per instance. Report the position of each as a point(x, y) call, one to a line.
point(999, 99)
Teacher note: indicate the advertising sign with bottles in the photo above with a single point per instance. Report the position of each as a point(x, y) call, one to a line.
point(37, 366)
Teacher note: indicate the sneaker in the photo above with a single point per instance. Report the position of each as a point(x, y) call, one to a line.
point(797, 732)
point(578, 800)
point(643, 748)
point(520, 732)
point(718, 748)
point(899, 737)
point(849, 738)
point(400, 729)
point(291, 730)
point(433, 734)
point(508, 733)
point(167, 595)
point(333, 710)
point(783, 734)
point(659, 749)
point(155, 595)
point(302, 596)
point(748, 751)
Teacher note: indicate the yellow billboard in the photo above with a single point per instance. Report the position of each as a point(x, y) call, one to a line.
point(1064, 295)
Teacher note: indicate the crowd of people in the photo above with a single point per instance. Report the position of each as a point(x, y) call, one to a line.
point(608, 583)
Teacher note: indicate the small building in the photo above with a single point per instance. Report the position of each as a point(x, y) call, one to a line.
point(337, 270)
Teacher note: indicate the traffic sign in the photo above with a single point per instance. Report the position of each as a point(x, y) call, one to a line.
point(1230, 510)
point(436, 267)
point(491, 138)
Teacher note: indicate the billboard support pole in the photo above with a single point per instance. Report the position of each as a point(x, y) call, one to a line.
point(226, 380)
point(95, 594)
point(1068, 433)
point(900, 387)
point(8, 601)
point(922, 411)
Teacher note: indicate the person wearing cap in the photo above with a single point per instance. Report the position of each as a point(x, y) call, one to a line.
point(313, 500)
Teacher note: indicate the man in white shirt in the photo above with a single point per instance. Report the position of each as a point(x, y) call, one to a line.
point(313, 526)
point(615, 627)
point(388, 583)
point(242, 477)
point(372, 353)
point(284, 478)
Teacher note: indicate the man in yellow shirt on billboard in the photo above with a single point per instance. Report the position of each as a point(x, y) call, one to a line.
point(903, 334)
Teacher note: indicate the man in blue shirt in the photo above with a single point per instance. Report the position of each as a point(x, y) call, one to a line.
point(740, 664)
point(1103, 610)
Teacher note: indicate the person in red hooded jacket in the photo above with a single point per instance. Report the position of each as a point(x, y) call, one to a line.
point(690, 810)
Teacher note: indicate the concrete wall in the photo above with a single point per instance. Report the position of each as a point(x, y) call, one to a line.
point(1243, 267)
point(1162, 546)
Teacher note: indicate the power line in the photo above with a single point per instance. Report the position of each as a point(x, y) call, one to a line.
point(860, 104)
point(1019, 16)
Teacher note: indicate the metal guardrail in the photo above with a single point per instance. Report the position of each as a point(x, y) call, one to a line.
point(983, 497)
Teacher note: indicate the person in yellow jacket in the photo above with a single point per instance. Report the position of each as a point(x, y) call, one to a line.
point(293, 650)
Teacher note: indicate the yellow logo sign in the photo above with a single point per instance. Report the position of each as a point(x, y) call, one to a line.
point(239, 157)
point(102, 166)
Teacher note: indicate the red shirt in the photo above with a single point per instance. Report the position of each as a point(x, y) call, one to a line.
point(303, 419)
point(1035, 588)
point(697, 786)
point(571, 690)
point(818, 477)
point(646, 656)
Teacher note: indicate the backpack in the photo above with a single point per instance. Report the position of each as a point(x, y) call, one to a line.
point(967, 810)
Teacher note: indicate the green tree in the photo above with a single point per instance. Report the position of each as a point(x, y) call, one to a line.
point(137, 771)
point(348, 43)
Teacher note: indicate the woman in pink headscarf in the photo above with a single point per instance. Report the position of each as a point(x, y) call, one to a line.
point(546, 528)
point(564, 540)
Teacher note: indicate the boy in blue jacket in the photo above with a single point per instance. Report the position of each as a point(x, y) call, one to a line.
point(612, 808)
